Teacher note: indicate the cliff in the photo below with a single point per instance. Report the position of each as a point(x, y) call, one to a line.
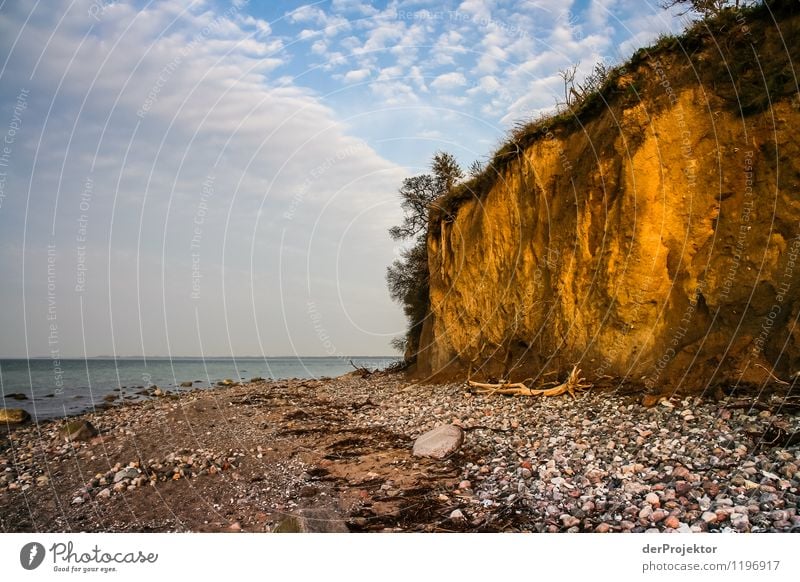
point(651, 236)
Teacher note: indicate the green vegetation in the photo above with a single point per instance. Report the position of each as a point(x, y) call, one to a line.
point(717, 51)
point(407, 277)
point(729, 51)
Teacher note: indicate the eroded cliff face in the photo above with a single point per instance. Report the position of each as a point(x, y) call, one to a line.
point(659, 243)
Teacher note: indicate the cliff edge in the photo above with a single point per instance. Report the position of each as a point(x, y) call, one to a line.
point(651, 235)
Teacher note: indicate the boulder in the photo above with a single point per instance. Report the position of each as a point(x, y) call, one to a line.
point(78, 430)
point(16, 396)
point(187, 384)
point(14, 415)
point(439, 443)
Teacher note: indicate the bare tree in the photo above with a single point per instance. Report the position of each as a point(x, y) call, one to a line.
point(568, 76)
point(707, 8)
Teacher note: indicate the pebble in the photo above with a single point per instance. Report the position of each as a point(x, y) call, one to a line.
point(672, 522)
point(709, 517)
point(569, 521)
point(561, 464)
point(659, 515)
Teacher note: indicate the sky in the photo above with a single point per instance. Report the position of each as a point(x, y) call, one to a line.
point(217, 178)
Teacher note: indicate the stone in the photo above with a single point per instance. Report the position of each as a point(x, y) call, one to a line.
point(672, 522)
point(439, 443)
point(680, 472)
point(16, 396)
point(128, 473)
point(709, 517)
point(652, 499)
point(456, 515)
point(104, 493)
point(77, 500)
point(78, 430)
point(711, 488)
point(682, 488)
point(465, 485)
point(187, 384)
point(741, 523)
point(658, 515)
point(14, 415)
point(569, 520)
point(649, 400)
point(602, 528)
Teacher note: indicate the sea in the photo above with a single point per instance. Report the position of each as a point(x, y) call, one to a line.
point(49, 388)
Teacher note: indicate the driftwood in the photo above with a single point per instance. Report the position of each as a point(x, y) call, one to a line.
point(360, 370)
point(786, 405)
point(573, 383)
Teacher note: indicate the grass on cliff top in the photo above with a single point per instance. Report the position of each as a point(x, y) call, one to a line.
point(749, 90)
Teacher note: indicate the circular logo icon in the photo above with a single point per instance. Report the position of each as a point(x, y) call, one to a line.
point(31, 555)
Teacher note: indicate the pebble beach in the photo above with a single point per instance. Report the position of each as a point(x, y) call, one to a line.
point(337, 455)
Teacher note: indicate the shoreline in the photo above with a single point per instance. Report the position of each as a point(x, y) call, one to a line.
point(335, 455)
point(85, 385)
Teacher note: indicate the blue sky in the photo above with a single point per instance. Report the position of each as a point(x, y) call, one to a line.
point(218, 178)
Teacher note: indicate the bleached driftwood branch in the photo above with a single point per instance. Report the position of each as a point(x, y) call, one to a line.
point(573, 383)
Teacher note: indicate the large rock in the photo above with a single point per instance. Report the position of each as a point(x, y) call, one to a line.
point(78, 430)
point(14, 415)
point(439, 443)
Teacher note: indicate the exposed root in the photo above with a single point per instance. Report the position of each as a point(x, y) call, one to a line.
point(573, 383)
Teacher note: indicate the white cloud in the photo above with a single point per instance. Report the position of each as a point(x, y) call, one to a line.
point(449, 81)
point(221, 110)
point(308, 14)
point(356, 75)
point(479, 9)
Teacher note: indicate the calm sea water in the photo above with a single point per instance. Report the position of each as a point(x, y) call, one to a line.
point(74, 386)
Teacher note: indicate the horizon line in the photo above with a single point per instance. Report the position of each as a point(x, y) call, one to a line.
point(214, 357)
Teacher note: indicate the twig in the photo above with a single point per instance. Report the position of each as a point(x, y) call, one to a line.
point(771, 375)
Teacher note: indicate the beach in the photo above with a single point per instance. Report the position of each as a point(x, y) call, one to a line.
point(336, 455)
